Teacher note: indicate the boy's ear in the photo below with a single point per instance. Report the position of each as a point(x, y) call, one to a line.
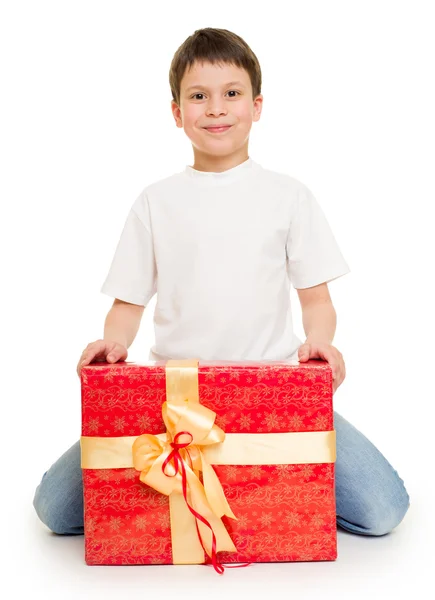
point(258, 105)
point(177, 113)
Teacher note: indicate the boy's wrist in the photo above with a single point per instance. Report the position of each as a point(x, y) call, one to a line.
point(318, 339)
point(115, 339)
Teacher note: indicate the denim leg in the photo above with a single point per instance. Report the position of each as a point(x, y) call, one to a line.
point(58, 499)
point(371, 498)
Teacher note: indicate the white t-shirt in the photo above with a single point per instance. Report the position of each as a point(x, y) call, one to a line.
point(220, 250)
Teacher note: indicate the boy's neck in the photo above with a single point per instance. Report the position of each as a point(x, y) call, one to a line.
point(218, 164)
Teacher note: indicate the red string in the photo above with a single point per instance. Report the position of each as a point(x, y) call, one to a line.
point(175, 454)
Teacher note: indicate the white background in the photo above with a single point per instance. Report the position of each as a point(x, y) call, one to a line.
point(86, 124)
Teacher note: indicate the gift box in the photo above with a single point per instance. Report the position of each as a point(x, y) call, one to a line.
point(214, 462)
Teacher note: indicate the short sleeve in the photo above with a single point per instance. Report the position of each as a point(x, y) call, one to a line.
point(132, 274)
point(313, 255)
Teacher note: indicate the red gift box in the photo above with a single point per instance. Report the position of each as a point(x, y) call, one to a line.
point(282, 498)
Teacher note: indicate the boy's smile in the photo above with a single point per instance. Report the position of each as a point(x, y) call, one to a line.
point(218, 129)
point(217, 111)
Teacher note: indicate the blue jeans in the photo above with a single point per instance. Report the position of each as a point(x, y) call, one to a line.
point(371, 499)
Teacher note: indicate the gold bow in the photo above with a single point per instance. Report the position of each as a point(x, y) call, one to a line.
point(159, 461)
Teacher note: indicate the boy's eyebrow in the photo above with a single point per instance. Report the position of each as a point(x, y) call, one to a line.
point(198, 85)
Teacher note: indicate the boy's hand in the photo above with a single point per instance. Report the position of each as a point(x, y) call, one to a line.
point(102, 350)
point(327, 352)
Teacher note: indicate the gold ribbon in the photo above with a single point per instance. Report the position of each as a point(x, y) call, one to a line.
point(208, 444)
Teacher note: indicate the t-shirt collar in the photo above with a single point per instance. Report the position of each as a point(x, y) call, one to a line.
point(214, 177)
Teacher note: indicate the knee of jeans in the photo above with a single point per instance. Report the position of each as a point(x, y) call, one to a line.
point(45, 511)
point(385, 520)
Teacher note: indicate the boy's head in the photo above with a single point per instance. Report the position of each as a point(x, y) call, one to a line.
point(202, 78)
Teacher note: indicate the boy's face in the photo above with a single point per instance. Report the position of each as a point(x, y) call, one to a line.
point(206, 98)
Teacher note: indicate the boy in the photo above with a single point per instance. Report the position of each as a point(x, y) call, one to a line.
point(220, 242)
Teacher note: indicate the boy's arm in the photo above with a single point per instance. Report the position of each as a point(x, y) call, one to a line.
point(122, 322)
point(318, 314)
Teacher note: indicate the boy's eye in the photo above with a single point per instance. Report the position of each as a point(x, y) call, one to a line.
point(200, 94)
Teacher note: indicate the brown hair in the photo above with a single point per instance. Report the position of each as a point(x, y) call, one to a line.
point(214, 46)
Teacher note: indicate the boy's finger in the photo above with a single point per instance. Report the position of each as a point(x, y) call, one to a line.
point(87, 356)
point(94, 348)
point(336, 369)
point(113, 355)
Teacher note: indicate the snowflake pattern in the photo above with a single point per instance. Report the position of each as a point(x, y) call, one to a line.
point(272, 420)
point(255, 472)
point(145, 421)
point(119, 424)
point(93, 425)
point(245, 422)
point(266, 519)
